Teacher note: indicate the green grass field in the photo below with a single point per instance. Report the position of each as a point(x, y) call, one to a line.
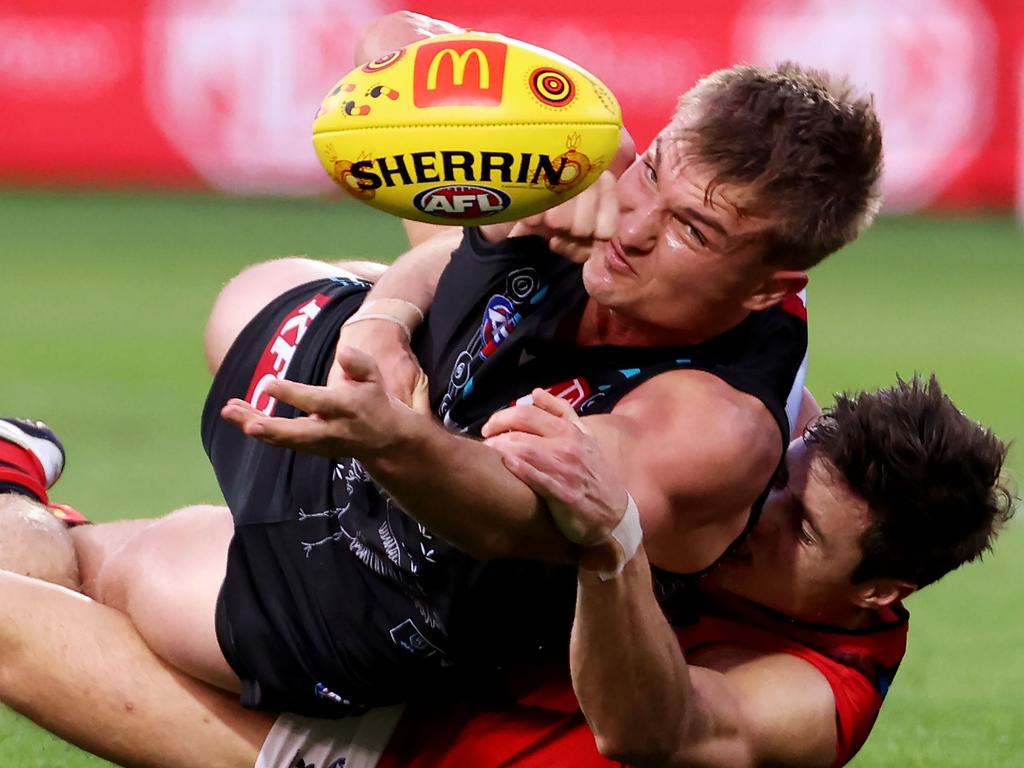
point(104, 300)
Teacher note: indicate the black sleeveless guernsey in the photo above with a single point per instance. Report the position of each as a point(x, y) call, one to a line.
point(334, 599)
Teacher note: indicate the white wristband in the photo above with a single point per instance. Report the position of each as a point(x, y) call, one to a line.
point(358, 317)
point(628, 535)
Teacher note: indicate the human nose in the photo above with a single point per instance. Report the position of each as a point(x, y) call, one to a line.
point(638, 227)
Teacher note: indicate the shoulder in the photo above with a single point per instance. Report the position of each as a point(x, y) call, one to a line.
point(694, 419)
point(696, 454)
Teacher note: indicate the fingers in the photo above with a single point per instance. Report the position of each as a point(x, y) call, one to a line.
point(606, 218)
point(528, 458)
point(419, 399)
point(306, 433)
point(538, 480)
point(525, 418)
point(325, 401)
point(556, 406)
point(625, 155)
point(358, 365)
point(584, 211)
point(240, 413)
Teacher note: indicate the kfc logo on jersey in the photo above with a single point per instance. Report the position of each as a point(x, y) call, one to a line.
point(463, 201)
point(459, 73)
point(575, 392)
point(277, 356)
point(500, 319)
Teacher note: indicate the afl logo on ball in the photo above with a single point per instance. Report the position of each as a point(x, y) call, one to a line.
point(461, 201)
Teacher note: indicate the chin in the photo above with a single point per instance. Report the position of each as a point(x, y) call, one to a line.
point(599, 283)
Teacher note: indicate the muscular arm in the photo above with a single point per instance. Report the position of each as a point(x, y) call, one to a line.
point(460, 490)
point(694, 453)
point(648, 707)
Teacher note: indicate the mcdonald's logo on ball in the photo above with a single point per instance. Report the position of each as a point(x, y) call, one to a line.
point(459, 73)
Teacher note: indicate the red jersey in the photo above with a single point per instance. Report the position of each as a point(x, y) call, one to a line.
point(546, 729)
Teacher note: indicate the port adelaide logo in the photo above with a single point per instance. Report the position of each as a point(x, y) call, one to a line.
point(462, 201)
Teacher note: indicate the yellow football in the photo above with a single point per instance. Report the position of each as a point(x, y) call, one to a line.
point(469, 128)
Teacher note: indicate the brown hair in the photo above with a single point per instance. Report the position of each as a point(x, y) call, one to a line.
point(931, 478)
point(808, 149)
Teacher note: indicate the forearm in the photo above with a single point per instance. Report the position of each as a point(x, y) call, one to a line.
point(414, 276)
point(460, 489)
point(628, 669)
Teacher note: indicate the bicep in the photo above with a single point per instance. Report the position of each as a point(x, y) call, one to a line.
point(774, 710)
point(695, 469)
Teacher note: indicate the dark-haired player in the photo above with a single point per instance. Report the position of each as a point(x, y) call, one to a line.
point(781, 656)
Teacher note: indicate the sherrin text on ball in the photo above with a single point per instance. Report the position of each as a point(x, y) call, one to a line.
point(467, 128)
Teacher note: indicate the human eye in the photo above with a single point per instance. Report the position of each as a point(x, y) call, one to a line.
point(652, 172)
point(697, 235)
point(805, 536)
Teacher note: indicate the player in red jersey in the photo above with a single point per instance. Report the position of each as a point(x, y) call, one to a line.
point(780, 656)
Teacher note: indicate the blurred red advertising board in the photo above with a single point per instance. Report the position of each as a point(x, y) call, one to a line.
point(221, 93)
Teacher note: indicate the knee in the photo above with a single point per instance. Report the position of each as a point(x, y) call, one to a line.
point(150, 563)
point(250, 291)
point(34, 543)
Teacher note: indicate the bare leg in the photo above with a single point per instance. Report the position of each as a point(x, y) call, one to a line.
point(110, 694)
point(34, 543)
point(253, 288)
point(95, 544)
point(166, 579)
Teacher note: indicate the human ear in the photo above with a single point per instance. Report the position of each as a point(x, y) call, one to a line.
point(882, 593)
point(775, 288)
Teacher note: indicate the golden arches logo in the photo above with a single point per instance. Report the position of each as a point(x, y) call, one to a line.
point(459, 73)
point(459, 63)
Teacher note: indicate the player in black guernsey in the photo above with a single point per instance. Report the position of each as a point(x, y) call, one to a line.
point(677, 339)
point(308, 527)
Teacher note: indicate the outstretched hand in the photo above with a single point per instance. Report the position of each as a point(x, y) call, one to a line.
point(354, 416)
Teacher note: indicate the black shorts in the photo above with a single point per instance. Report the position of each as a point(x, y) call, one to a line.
point(333, 598)
point(291, 613)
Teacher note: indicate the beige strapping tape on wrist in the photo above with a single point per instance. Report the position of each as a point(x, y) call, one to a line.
point(628, 534)
point(360, 316)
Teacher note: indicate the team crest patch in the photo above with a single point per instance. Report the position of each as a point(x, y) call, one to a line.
point(500, 319)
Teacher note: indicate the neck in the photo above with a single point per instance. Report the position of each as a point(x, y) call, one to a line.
point(840, 616)
point(604, 325)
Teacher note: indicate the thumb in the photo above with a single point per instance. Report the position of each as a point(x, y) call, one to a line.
point(357, 365)
point(421, 394)
point(625, 155)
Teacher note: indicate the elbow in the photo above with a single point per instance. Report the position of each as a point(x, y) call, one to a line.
point(508, 543)
point(491, 544)
point(664, 742)
point(639, 748)
point(484, 550)
point(630, 753)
